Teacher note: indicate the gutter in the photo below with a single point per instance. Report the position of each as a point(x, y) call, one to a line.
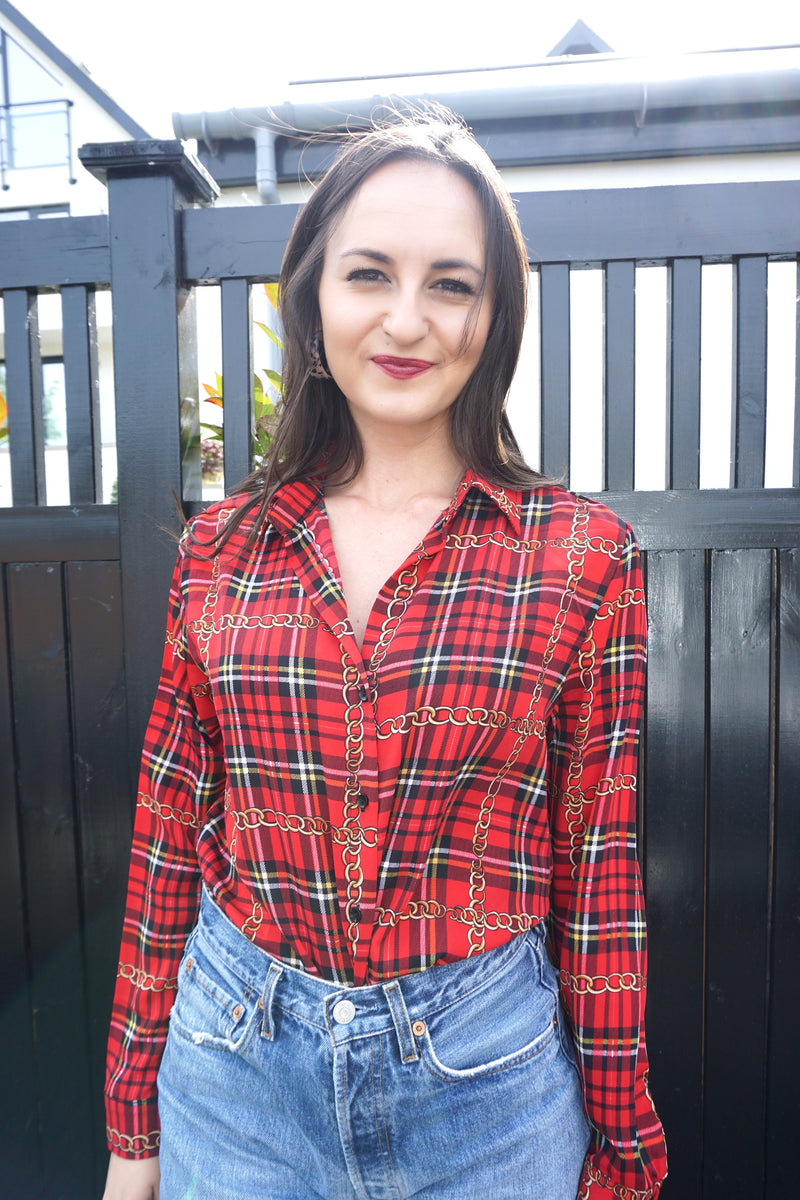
point(599, 84)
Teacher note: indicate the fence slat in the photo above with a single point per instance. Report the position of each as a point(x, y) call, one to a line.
point(683, 412)
point(24, 394)
point(147, 299)
point(555, 369)
point(237, 376)
point(44, 769)
point(739, 900)
point(103, 801)
point(81, 383)
point(620, 358)
point(749, 428)
point(21, 1148)
point(674, 846)
point(796, 455)
point(784, 1046)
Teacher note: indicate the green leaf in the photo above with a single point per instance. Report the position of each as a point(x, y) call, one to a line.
point(215, 429)
point(273, 294)
point(273, 337)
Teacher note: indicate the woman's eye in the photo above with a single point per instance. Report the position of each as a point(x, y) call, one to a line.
point(365, 275)
point(455, 287)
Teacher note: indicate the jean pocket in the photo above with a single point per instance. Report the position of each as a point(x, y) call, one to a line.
point(502, 1025)
point(213, 1007)
point(567, 1042)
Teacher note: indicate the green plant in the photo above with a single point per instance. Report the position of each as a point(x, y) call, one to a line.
point(267, 394)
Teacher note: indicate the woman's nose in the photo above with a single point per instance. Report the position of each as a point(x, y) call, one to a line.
point(405, 319)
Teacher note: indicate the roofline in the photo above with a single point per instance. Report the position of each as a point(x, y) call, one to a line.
point(553, 87)
point(72, 70)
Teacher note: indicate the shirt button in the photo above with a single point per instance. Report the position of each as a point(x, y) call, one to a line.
point(363, 694)
point(343, 1012)
point(355, 913)
point(362, 801)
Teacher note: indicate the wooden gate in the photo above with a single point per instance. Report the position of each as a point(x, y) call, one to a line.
point(82, 605)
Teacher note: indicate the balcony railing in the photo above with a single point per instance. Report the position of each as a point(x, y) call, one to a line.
point(35, 134)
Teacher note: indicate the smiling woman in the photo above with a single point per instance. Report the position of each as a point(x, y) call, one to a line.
point(404, 310)
point(384, 933)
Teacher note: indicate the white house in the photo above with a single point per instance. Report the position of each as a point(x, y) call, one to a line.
point(49, 106)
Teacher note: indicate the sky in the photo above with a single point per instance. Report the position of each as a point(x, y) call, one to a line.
point(158, 56)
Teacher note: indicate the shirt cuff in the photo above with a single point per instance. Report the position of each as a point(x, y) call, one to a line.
point(594, 1186)
point(133, 1130)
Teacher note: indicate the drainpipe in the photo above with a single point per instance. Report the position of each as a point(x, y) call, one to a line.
point(266, 167)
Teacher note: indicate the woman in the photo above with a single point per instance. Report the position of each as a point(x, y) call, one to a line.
point(395, 732)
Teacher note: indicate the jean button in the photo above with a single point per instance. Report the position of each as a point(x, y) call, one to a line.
point(343, 1012)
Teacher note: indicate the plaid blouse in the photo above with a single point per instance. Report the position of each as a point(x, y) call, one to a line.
point(365, 813)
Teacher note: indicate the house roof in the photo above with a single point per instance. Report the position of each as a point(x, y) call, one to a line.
point(580, 40)
point(71, 69)
point(597, 107)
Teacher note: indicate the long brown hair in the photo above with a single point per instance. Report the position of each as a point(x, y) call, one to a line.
point(316, 435)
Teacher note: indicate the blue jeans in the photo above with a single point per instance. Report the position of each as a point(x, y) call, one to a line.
point(455, 1083)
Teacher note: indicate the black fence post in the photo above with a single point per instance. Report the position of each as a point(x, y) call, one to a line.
point(155, 378)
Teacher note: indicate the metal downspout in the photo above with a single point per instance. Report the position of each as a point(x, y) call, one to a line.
point(266, 167)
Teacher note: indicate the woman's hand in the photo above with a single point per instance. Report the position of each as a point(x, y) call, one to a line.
point(132, 1179)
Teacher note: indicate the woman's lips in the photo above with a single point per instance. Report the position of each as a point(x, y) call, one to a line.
point(401, 368)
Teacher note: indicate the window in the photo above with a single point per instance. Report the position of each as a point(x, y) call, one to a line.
point(39, 211)
point(33, 111)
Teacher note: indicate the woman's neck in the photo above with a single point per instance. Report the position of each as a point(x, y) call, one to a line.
point(396, 472)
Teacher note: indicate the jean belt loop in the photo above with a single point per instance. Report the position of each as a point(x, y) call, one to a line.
point(267, 996)
point(402, 1022)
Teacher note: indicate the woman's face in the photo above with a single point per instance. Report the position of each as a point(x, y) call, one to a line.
point(400, 286)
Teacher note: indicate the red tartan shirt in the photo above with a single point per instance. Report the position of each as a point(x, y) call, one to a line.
point(361, 814)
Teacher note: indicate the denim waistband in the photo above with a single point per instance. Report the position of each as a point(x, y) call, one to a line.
point(372, 1008)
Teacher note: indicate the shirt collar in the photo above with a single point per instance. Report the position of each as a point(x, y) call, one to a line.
point(293, 502)
point(508, 500)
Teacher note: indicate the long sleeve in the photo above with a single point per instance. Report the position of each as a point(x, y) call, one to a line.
point(597, 911)
point(180, 782)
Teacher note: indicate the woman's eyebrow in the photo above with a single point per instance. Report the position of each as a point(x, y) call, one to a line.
point(441, 264)
point(365, 252)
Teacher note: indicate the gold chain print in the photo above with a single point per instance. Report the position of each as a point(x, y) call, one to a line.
point(254, 921)
point(424, 910)
point(404, 590)
point(617, 1189)
point(147, 983)
point(462, 715)
point(209, 628)
point(135, 1144)
point(576, 556)
point(354, 756)
point(205, 623)
point(594, 985)
point(167, 812)
point(597, 545)
point(252, 818)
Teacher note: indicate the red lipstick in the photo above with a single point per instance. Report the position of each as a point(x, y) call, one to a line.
point(401, 368)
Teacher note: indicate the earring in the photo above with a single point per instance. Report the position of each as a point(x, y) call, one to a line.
point(318, 369)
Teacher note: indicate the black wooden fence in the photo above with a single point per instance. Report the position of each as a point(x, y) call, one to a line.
point(82, 602)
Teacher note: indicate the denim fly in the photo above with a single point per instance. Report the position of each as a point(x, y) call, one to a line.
point(455, 1083)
